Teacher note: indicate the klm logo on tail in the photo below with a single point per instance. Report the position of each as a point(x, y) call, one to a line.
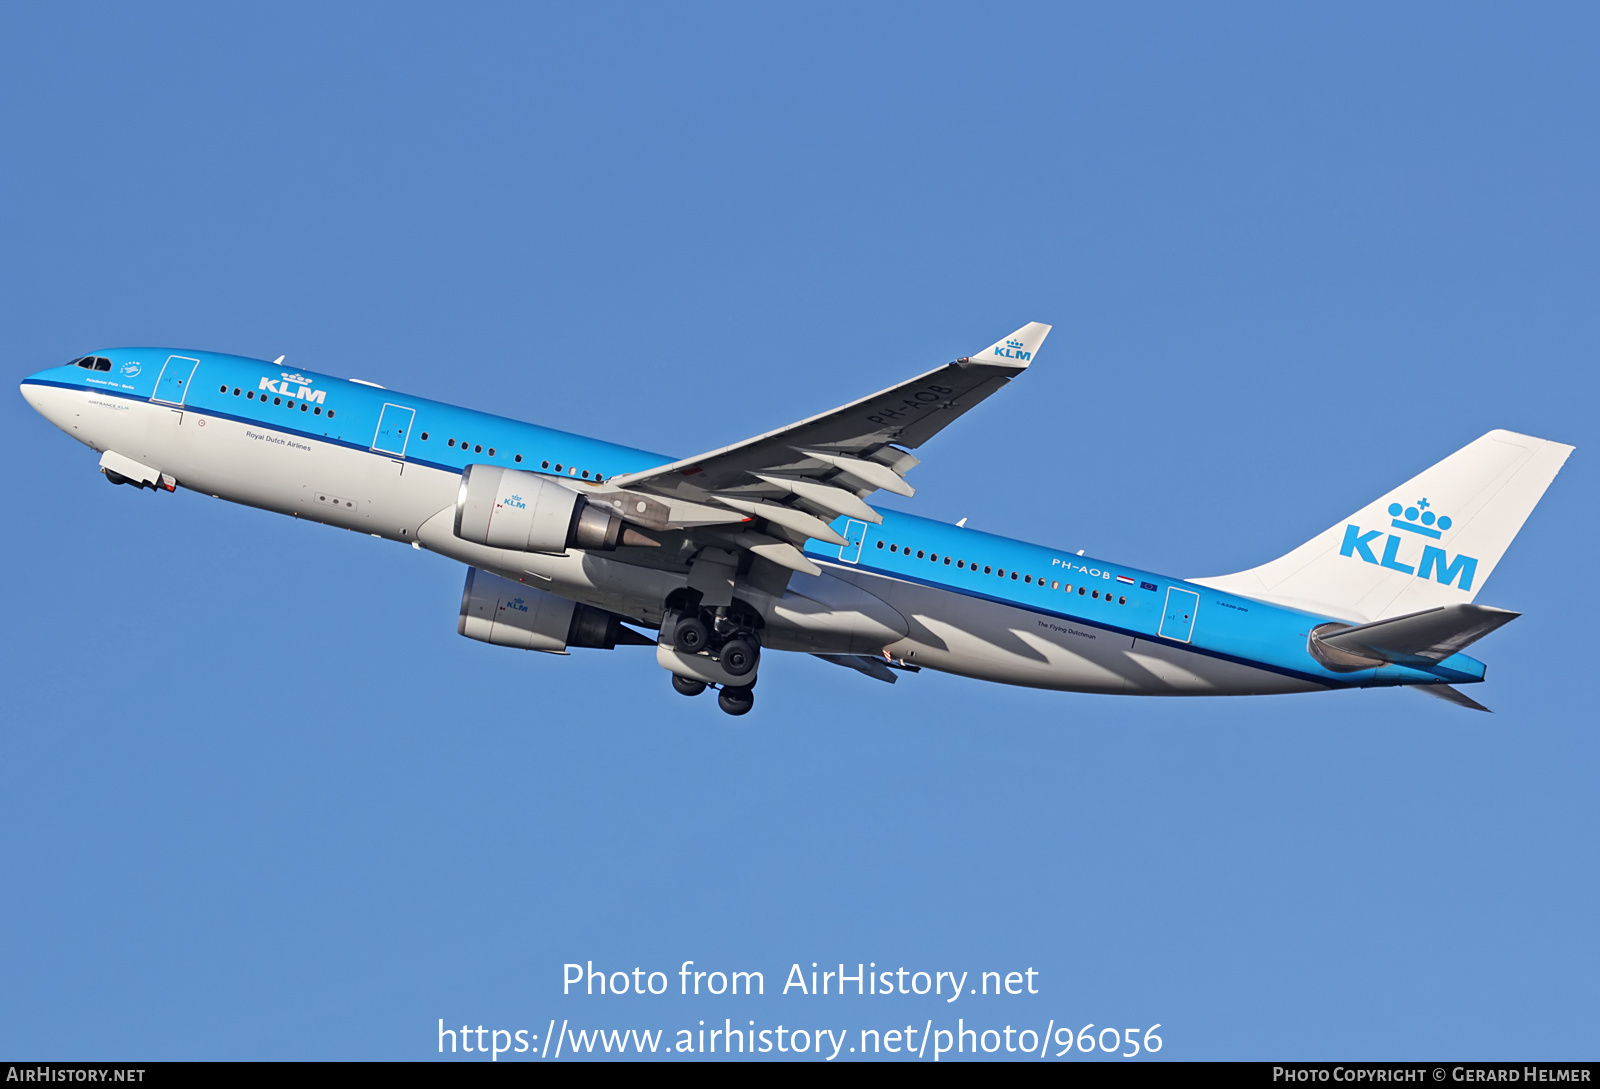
point(1418, 521)
point(1013, 350)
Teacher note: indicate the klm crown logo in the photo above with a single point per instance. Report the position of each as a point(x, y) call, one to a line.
point(1421, 520)
point(1012, 349)
point(1418, 519)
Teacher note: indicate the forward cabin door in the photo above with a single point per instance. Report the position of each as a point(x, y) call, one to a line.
point(173, 385)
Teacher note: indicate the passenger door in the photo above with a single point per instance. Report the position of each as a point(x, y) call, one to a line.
point(854, 533)
point(173, 384)
point(394, 430)
point(1178, 622)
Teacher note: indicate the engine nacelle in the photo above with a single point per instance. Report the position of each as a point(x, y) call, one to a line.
point(510, 614)
point(508, 508)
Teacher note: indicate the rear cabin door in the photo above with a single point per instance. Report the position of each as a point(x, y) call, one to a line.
point(173, 385)
point(1178, 622)
point(854, 533)
point(394, 430)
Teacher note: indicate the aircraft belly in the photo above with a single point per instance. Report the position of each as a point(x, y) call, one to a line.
point(991, 641)
point(821, 614)
point(1174, 671)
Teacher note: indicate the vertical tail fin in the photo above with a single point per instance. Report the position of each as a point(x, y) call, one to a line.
point(1434, 540)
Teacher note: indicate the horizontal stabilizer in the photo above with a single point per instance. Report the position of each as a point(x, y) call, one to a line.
point(1416, 639)
point(1449, 695)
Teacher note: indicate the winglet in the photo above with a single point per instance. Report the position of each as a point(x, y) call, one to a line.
point(1016, 350)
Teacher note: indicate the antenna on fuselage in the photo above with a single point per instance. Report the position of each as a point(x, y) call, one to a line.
point(278, 362)
point(961, 524)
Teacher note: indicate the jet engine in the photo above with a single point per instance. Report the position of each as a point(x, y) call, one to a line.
point(508, 508)
point(510, 614)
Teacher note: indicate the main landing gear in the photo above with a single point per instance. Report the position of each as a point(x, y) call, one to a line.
point(688, 686)
point(708, 647)
point(733, 700)
point(736, 701)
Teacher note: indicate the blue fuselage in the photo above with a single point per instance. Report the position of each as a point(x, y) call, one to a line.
point(1063, 591)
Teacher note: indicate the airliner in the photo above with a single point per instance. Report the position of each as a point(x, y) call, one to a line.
point(771, 544)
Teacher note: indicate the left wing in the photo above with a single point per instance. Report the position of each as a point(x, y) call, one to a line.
point(769, 494)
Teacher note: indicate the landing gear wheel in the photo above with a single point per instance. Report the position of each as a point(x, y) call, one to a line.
point(688, 686)
point(736, 701)
point(691, 635)
point(739, 657)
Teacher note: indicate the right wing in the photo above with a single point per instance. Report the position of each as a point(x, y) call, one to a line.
point(771, 493)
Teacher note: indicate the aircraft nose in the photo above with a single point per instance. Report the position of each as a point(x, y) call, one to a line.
point(42, 390)
point(33, 390)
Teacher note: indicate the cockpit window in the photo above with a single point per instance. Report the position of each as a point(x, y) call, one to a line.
point(102, 364)
point(92, 363)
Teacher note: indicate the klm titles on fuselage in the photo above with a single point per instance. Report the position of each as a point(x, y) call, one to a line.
point(1434, 562)
point(284, 387)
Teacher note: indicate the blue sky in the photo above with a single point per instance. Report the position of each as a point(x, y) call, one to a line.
point(262, 801)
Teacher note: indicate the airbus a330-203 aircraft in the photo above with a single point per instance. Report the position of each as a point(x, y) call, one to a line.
point(770, 544)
